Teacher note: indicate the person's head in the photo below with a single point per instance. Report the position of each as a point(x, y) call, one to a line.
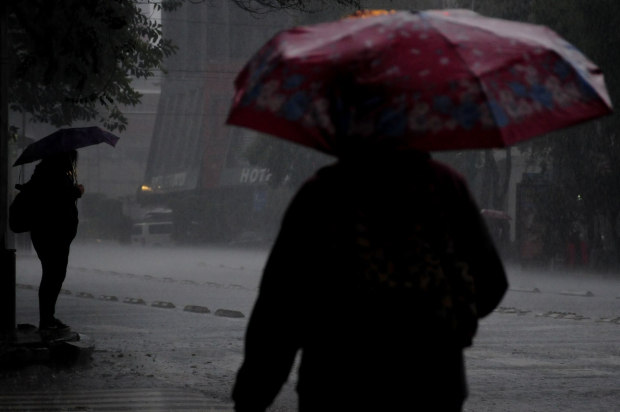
point(62, 163)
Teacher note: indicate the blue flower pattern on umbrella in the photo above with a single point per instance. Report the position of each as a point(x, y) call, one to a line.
point(508, 95)
point(542, 95)
point(293, 82)
point(295, 107)
point(392, 122)
point(467, 115)
point(499, 115)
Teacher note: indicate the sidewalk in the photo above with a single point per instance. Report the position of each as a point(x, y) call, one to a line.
point(520, 362)
point(137, 347)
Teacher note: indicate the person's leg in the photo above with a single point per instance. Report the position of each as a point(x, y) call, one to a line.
point(57, 271)
point(53, 250)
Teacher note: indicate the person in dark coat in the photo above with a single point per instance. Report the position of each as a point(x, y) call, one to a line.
point(379, 273)
point(55, 190)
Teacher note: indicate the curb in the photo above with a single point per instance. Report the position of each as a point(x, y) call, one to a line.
point(584, 293)
point(234, 287)
point(163, 305)
point(561, 315)
point(196, 309)
point(225, 313)
point(53, 350)
point(609, 320)
point(76, 353)
point(526, 290)
point(134, 301)
point(511, 311)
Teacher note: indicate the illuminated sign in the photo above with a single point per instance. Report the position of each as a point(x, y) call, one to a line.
point(176, 180)
point(249, 175)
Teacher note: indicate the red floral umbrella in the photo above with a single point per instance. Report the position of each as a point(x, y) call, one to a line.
point(436, 80)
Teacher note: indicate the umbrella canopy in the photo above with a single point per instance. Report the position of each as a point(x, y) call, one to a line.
point(64, 140)
point(436, 80)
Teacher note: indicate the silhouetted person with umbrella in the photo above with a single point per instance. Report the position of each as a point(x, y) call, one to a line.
point(55, 191)
point(383, 264)
point(48, 208)
point(381, 269)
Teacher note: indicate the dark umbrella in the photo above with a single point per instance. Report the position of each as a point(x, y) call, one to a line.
point(64, 140)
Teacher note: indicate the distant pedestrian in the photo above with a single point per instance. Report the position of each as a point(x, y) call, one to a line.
point(382, 267)
point(55, 191)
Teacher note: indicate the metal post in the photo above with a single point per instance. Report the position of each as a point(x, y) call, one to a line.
point(7, 256)
point(22, 146)
point(22, 240)
point(4, 128)
point(7, 290)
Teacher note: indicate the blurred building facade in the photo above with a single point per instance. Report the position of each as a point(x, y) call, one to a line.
point(196, 164)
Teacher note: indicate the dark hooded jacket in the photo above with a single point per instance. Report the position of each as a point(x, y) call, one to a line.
point(370, 337)
point(54, 194)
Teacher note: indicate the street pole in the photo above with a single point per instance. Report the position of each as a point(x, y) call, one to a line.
point(7, 256)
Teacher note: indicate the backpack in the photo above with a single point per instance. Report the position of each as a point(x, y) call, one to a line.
point(410, 257)
point(21, 211)
point(433, 277)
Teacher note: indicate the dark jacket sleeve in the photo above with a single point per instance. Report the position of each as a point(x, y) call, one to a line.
point(273, 336)
point(474, 242)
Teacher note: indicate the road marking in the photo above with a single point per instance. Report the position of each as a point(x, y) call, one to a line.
point(527, 290)
point(226, 313)
point(134, 301)
point(562, 315)
point(196, 309)
point(111, 400)
point(164, 305)
point(584, 293)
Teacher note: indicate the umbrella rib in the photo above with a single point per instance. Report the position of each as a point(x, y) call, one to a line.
point(477, 79)
point(337, 37)
point(533, 40)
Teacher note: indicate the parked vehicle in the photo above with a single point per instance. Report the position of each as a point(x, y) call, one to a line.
point(152, 234)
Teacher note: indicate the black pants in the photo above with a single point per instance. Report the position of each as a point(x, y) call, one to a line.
point(52, 245)
point(435, 382)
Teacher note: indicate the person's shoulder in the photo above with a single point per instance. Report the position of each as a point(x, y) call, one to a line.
point(446, 171)
point(316, 189)
point(449, 179)
point(323, 178)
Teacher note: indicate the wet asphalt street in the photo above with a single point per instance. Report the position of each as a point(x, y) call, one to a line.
point(228, 278)
point(527, 356)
